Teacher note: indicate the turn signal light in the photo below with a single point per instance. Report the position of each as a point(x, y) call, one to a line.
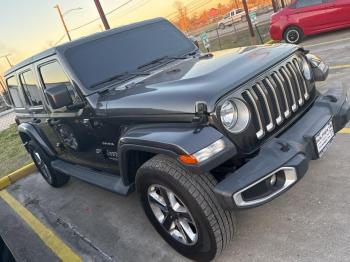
point(188, 159)
point(203, 154)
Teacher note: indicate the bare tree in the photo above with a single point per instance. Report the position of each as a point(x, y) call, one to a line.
point(182, 15)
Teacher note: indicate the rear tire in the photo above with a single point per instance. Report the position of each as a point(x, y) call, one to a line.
point(210, 227)
point(293, 35)
point(43, 164)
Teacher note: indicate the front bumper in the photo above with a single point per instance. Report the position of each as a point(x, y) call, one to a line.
point(286, 156)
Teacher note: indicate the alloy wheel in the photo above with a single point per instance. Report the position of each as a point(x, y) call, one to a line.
point(42, 166)
point(293, 36)
point(172, 214)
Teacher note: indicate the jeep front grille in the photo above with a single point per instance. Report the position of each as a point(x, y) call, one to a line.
point(276, 97)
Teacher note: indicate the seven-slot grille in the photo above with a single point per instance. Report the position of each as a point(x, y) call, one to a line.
point(277, 96)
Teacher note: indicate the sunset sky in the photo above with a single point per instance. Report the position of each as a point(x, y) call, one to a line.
point(30, 26)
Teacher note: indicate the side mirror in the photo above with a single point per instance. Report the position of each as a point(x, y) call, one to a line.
point(58, 96)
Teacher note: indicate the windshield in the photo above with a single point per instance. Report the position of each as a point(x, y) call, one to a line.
point(101, 59)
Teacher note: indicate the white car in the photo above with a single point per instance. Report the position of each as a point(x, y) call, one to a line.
point(232, 17)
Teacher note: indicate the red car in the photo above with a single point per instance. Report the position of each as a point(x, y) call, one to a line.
point(308, 17)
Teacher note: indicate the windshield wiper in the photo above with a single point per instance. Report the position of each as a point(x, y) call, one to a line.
point(163, 58)
point(122, 76)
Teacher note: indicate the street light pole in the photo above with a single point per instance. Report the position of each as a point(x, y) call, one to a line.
point(63, 22)
point(7, 59)
point(102, 14)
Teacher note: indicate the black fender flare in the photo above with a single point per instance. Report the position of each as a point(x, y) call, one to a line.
point(173, 141)
point(35, 134)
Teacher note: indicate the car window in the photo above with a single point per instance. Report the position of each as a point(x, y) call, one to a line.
point(233, 13)
point(5, 94)
point(52, 75)
point(13, 89)
point(306, 3)
point(30, 88)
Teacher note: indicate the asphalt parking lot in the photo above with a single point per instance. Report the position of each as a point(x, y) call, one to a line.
point(308, 223)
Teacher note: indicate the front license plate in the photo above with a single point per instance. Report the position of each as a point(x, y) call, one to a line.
point(324, 138)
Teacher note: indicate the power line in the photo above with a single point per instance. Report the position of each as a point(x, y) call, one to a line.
point(192, 9)
point(134, 9)
point(59, 40)
point(98, 18)
point(122, 5)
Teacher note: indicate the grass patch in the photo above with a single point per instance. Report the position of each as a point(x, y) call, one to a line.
point(239, 39)
point(13, 155)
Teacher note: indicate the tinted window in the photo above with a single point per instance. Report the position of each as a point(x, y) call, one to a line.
point(305, 3)
point(52, 74)
point(100, 59)
point(30, 88)
point(13, 88)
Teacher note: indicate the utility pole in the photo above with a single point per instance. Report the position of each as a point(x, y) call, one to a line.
point(251, 29)
point(7, 59)
point(63, 22)
point(274, 6)
point(102, 14)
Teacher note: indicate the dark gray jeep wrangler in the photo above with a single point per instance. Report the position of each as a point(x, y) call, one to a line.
point(197, 135)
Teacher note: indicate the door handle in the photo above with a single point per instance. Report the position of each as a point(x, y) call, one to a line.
point(36, 120)
point(53, 122)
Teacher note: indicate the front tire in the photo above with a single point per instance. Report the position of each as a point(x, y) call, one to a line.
point(43, 164)
point(183, 208)
point(293, 35)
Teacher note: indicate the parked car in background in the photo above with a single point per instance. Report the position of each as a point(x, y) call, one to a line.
point(232, 17)
point(308, 17)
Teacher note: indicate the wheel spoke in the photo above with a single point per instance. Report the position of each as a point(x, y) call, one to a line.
point(185, 216)
point(164, 194)
point(157, 199)
point(168, 223)
point(186, 228)
point(174, 203)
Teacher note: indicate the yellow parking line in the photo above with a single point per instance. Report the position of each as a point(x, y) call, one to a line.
point(340, 66)
point(345, 131)
point(328, 42)
point(61, 250)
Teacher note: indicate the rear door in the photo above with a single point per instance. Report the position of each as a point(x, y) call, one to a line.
point(309, 15)
point(16, 95)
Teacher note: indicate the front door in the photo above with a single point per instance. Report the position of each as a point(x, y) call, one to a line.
point(71, 132)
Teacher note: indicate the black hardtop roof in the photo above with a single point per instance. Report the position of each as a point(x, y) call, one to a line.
point(62, 48)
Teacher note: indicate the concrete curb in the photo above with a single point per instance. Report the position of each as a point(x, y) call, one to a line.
point(16, 175)
point(271, 42)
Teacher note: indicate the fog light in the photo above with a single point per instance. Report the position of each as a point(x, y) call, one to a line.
point(273, 180)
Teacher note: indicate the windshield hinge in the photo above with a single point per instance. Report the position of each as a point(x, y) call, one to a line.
point(201, 113)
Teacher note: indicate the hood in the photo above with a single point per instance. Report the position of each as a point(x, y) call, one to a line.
point(176, 88)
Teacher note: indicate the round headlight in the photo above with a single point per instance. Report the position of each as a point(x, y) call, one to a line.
point(306, 69)
point(228, 114)
point(235, 115)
